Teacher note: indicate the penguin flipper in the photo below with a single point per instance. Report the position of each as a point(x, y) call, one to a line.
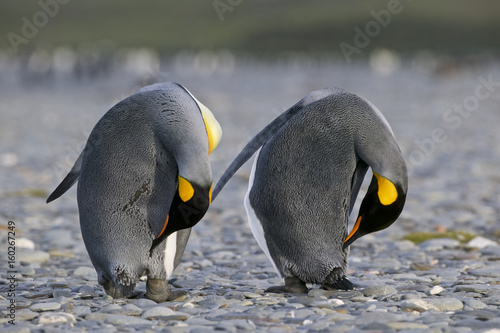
point(264, 135)
point(357, 181)
point(68, 181)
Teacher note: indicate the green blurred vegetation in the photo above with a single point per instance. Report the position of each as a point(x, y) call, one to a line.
point(420, 237)
point(260, 27)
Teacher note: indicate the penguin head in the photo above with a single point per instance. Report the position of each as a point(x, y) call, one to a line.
point(380, 207)
point(190, 133)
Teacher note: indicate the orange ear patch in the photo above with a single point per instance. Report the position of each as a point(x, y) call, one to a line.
point(387, 192)
point(186, 190)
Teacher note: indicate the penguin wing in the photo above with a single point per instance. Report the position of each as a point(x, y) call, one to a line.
point(265, 134)
point(357, 180)
point(68, 181)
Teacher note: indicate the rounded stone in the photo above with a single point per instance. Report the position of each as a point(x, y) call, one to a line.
point(158, 311)
point(26, 314)
point(481, 242)
point(83, 271)
point(56, 318)
point(125, 320)
point(436, 290)
point(32, 256)
point(379, 290)
point(144, 303)
point(50, 306)
point(417, 305)
point(446, 303)
point(61, 292)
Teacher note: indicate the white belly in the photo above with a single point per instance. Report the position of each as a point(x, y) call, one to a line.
point(170, 250)
point(253, 221)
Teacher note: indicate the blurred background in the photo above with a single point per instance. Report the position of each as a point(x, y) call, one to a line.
point(64, 63)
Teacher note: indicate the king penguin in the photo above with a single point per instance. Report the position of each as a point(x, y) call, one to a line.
point(144, 179)
point(305, 179)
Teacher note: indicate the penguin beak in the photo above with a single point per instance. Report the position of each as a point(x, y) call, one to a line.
point(353, 235)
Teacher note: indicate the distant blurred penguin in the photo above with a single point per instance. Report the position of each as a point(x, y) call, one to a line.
point(306, 178)
point(144, 179)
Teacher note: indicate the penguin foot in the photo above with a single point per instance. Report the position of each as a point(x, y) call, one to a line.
point(159, 291)
point(292, 285)
point(340, 284)
point(111, 289)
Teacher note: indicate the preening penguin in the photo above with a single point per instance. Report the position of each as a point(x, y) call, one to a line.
point(144, 179)
point(305, 180)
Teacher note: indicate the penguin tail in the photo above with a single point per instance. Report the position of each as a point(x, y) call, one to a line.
point(252, 146)
point(68, 181)
point(265, 134)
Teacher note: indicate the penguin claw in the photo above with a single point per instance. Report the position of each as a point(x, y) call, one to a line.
point(341, 284)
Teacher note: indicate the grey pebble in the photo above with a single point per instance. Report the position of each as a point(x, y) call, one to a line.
point(86, 290)
point(26, 314)
point(158, 311)
point(446, 303)
point(488, 272)
point(27, 271)
point(122, 320)
point(81, 310)
point(56, 318)
point(189, 284)
point(379, 290)
point(476, 314)
point(236, 325)
point(16, 329)
point(495, 300)
point(61, 292)
point(481, 242)
point(144, 303)
point(85, 272)
point(251, 295)
point(475, 288)
point(49, 306)
point(61, 238)
point(475, 324)
point(475, 304)
point(32, 256)
point(130, 310)
point(110, 308)
point(303, 313)
point(407, 326)
point(419, 305)
point(439, 244)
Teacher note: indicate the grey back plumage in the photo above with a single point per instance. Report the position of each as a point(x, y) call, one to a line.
point(312, 162)
point(128, 178)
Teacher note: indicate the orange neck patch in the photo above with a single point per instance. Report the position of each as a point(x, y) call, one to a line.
point(164, 227)
point(354, 229)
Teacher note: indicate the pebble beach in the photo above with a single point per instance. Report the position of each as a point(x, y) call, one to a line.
point(435, 270)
